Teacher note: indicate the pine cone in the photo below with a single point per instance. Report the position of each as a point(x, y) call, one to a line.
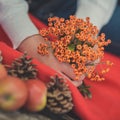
point(23, 68)
point(59, 98)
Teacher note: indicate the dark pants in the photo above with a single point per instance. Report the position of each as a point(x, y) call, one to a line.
point(43, 9)
point(112, 31)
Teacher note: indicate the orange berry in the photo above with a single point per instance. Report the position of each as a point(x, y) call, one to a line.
point(103, 71)
point(89, 75)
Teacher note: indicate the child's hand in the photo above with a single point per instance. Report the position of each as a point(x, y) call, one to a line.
point(30, 46)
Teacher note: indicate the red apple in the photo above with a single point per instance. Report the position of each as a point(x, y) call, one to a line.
point(37, 95)
point(3, 71)
point(13, 93)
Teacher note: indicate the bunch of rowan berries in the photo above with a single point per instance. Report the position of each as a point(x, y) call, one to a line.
point(76, 41)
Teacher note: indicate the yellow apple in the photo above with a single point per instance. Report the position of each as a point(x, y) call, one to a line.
point(13, 93)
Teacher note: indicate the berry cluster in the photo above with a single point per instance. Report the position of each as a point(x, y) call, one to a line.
point(76, 42)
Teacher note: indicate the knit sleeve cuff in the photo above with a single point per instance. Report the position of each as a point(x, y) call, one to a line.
point(16, 22)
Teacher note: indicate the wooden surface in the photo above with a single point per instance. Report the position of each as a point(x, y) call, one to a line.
point(43, 115)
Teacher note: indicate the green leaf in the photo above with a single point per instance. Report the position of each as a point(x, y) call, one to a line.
point(84, 89)
point(71, 47)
